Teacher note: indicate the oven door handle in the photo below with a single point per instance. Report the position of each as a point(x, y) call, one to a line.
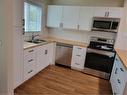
point(106, 53)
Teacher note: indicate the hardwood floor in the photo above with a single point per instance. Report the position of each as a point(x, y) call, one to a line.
point(56, 80)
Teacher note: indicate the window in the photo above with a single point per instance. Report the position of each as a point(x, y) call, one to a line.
point(33, 15)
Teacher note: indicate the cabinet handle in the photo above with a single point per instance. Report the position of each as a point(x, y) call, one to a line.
point(108, 14)
point(79, 48)
point(116, 71)
point(119, 81)
point(116, 59)
point(77, 63)
point(30, 71)
point(115, 93)
point(46, 51)
point(105, 14)
point(30, 60)
point(31, 51)
point(61, 25)
point(122, 69)
point(78, 55)
point(78, 27)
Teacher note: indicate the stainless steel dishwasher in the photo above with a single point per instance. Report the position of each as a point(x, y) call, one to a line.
point(64, 54)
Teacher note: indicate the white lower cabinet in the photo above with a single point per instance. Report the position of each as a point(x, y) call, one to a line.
point(78, 57)
point(45, 56)
point(118, 77)
point(37, 58)
point(30, 63)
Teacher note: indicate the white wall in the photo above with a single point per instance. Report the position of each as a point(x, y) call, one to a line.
point(122, 34)
point(89, 2)
point(6, 62)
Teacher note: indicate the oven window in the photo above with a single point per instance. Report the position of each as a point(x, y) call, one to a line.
point(102, 24)
point(99, 62)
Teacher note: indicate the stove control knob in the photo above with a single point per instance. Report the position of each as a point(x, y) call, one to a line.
point(111, 41)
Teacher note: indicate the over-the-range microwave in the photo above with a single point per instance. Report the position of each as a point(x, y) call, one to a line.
point(105, 24)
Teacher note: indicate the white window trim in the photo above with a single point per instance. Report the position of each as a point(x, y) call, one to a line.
point(34, 4)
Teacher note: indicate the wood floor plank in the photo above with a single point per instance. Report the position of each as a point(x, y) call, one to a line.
point(56, 80)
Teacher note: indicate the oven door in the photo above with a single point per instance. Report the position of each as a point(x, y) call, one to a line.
point(99, 61)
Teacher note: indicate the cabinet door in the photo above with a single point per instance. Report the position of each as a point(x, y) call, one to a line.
point(115, 12)
point(54, 16)
point(40, 58)
point(114, 71)
point(100, 11)
point(51, 53)
point(43, 59)
point(70, 17)
point(85, 18)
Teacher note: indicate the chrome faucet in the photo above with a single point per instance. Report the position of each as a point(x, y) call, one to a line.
point(33, 37)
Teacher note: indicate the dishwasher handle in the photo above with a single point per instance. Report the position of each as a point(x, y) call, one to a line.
point(64, 45)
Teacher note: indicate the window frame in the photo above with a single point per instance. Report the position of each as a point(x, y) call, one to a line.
point(36, 5)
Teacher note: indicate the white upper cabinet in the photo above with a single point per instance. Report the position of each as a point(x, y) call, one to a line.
point(100, 11)
point(54, 16)
point(114, 12)
point(78, 17)
point(70, 17)
point(85, 18)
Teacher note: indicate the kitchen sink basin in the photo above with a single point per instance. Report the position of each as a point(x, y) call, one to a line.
point(37, 41)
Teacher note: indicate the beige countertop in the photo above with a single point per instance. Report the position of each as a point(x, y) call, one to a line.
point(123, 56)
point(75, 43)
point(28, 45)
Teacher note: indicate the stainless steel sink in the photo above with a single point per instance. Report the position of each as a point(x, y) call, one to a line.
point(37, 41)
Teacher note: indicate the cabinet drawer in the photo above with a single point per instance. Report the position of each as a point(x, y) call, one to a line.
point(29, 60)
point(29, 71)
point(78, 63)
point(79, 50)
point(80, 58)
point(31, 51)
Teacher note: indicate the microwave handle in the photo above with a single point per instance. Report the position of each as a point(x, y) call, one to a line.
point(105, 14)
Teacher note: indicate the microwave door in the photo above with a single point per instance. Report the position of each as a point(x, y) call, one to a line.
point(101, 25)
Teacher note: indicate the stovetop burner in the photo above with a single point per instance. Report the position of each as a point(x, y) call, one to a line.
point(106, 45)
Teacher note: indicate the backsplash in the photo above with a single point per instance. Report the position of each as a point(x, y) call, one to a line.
point(82, 36)
point(43, 33)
